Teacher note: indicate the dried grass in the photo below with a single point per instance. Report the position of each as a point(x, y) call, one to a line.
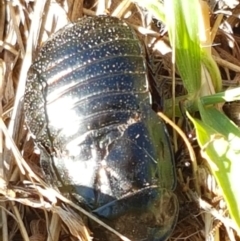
point(30, 209)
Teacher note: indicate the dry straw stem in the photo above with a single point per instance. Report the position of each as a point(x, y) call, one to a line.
point(27, 60)
point(227, 64)
point(55, 228)
point(216, 27)
point(227, 56)
point(16, 27)
point(121, 8)
point(228, 223)
point(101, 7)
point(4, 222)
point(41, 28)
point(20, 221)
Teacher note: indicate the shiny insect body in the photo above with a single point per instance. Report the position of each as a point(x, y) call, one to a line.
point(87, 102)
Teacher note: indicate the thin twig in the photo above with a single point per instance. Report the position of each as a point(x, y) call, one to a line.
point(20, 222)
point(189, 147)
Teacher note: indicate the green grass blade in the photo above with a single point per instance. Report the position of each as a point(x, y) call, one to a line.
point(212, 69)
point(219, 121)
point(219, 141)
point(226, 96)
point(183, 27)
point(155, 7)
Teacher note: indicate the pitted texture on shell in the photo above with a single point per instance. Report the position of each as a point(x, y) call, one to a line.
point(87, 102)
point(77, 65)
